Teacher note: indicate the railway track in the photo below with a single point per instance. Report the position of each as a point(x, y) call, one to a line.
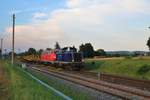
point(121, 91)
point(136, 83)
point(121, 80)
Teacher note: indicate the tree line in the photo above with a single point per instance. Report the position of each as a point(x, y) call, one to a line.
point(87, 49)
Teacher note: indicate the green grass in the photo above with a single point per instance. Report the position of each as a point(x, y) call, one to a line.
point(125, 67)
point(23, 87)
point(66, 89)
point(4, 83)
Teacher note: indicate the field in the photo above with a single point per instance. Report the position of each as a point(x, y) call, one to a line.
point(17, 85)
point(132, 67)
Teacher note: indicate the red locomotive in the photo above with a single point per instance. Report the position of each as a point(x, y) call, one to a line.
point(48, 56)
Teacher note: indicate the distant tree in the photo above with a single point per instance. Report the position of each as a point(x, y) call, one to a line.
point(48, 48)
point(31, 51)
point(65, 48)
point(39, 52)
point(25, 53)
point(10, 54)
point(148, 43)
point(82, 48)
point(87, 49)
point(57, 46)
point(74, 49)
point(100, 52)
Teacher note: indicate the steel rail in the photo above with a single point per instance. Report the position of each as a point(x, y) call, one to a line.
point(98, 86)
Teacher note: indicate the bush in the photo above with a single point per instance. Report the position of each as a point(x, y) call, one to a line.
point(93, 63)
point(144, 69)
point(128, 57)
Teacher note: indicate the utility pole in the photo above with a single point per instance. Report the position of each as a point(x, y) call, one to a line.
point(13, 39)
point(1, 47)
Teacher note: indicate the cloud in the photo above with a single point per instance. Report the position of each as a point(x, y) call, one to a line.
point(36, 35)
point(39, 15)
point(96, 21)
point(16, 11)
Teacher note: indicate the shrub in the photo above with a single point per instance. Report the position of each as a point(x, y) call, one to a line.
point(93, 63)
point(144, 69)
point(128, 57)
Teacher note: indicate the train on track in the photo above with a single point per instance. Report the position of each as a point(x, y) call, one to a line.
point(71, 60)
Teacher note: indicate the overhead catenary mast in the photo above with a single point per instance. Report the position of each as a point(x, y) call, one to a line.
point(13, 40)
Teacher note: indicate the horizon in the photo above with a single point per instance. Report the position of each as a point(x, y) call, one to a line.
point(112, 25)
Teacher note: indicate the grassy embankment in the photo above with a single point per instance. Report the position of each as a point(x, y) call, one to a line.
point(16, 85)
point(131, 67)
point(4, 83)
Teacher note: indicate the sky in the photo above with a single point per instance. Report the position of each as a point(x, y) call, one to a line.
point(112, 25)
